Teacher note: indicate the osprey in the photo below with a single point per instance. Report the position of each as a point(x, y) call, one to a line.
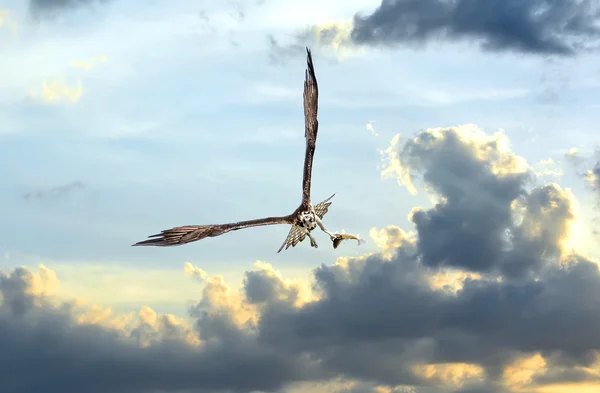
point(303, 220)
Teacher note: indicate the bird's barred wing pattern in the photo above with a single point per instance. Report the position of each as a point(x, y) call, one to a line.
point(311, 125)
point(182, 235)
point(190, 233)
point(296, 235)
point(323, 207)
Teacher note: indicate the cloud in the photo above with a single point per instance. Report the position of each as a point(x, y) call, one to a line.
point(549, 168)
point(54, 192)
point(278, 53)
point(480, 183)
point(573, 156)
point(483, 295)
point(57, 90)
point(371, 129)
point(89, 63)
point(48, 8)
point(143, 353)
point(196, 272)
point(7, 20)
point(535, 27)
point(331, 38)
point(380, 320)
point(592, 177)
point(581, 164)
point(433, 148)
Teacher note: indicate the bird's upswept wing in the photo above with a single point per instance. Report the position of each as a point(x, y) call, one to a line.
point(322, 208)
point(311, 125)
point(191, 233)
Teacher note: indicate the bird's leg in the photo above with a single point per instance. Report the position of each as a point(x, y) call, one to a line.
point(320, 224)
point(313, 242)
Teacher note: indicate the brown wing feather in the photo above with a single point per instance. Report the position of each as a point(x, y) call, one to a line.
point(311, 125)
point(295, 235)
point(322, 208)
point(191, 233)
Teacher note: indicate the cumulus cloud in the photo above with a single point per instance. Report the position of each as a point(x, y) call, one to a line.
point(482, 296)
point(480, 183)
point(465, 148)
point(148, 352)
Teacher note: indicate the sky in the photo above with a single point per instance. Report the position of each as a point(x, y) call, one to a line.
point(460, 138)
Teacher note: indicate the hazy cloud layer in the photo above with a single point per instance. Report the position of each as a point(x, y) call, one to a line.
point(486, 295)
point(46, 8)
point(57, 191)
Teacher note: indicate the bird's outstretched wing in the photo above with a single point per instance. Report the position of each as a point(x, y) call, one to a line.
point(311, 125)
point(295, 236)
point(322, 208)
point(190, 233)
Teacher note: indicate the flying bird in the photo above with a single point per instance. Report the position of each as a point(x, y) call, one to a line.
point(303, 220)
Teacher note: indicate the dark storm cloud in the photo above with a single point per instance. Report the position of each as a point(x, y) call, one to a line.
point(374, 319)
point(477, 210)
point(88, 358)
point(377, 318)
point(480, 182)
point(46, 8)
point(560, 27)
point(54, 192)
